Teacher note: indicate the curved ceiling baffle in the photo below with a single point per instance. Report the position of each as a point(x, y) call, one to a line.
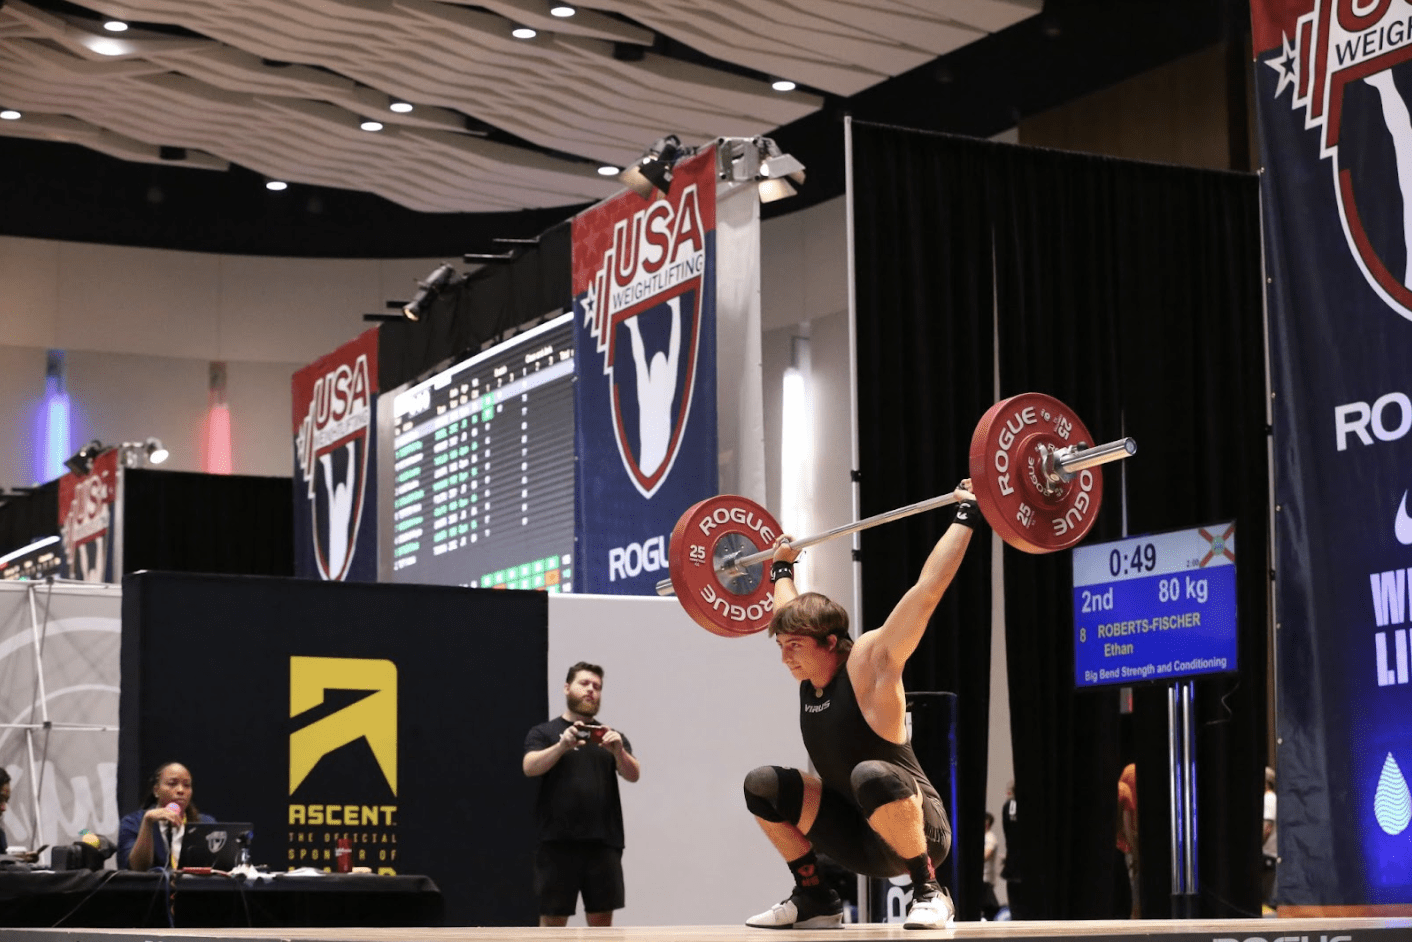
point(281, 87)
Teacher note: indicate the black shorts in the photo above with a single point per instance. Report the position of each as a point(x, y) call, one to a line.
point(842, 832)
point(564, 869)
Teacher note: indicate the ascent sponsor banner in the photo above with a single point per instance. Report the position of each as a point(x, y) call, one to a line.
point(1333, 81)
point(644, 286)
point(335, 468)
point(341, 711)
point(86, 520)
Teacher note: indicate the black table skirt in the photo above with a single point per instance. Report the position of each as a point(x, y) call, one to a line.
point(129, 899)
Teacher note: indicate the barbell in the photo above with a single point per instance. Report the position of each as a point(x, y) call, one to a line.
point(1031, 469)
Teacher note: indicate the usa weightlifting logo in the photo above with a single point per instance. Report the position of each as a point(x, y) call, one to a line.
point(332, 445)
point(643, 309)
point(87, 504)
point(1344, 66)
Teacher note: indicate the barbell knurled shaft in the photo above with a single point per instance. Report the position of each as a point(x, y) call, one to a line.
point(864, 524)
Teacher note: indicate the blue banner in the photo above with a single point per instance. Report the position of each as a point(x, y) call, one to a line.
point(644, 286)
point(1333, 81)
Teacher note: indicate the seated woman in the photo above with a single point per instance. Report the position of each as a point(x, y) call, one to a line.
point(142, 837)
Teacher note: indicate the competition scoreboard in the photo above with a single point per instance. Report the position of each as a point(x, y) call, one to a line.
point(481, 466)
point(1156, 607)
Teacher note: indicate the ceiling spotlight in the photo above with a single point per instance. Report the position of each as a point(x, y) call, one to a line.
point(653, 171)
point(371, 125)
point(399, 106)
point(115, 26)
point(427, 291)
point(783, 85)
point(608, 170)
point(82, 461)
point(108, 47)
point(523, 32)
point(10, 114)
point(276, 185)
point(562, 10)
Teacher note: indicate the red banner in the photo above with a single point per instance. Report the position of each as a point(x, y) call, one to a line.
point(86, 519)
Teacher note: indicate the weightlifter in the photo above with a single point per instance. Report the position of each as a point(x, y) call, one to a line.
point(871, 808)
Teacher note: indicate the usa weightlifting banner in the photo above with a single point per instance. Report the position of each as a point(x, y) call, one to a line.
point(86, 520)
point(644, 288)
point(1333, 81)
point(335, 466)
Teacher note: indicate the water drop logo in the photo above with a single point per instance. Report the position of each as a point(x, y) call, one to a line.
point(1392, 805)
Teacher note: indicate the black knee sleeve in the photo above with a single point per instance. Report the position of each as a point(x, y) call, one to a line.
point(877, 783)
point(774, 793)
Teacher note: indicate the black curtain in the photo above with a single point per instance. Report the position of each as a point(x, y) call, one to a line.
point(27, 517)
point(925, 369)
point(180, 521)
point(1058, 334)
point(1132, 293)
point(496, 298)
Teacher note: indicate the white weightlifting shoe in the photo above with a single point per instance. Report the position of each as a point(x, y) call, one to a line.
point(802, 911)
point(931, 909)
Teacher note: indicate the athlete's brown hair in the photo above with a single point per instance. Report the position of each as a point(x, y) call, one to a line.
point(816, 616)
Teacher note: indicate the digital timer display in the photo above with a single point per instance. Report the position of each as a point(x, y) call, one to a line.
point(1156, 607)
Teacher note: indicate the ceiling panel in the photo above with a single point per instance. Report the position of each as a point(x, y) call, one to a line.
point(281, 87)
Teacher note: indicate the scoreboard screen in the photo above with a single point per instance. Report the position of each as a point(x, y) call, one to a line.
point(1155, 608)
point(476, 469)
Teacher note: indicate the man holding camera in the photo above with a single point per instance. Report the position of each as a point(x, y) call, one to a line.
point(578, 813)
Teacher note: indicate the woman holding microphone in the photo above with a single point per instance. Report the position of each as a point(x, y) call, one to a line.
point(151, 836)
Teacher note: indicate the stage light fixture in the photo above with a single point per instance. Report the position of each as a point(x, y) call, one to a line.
point(82, 460)
point(775, 164)
point(653, 170)
point(758, 160)
point(136, 454)
point(427, 291)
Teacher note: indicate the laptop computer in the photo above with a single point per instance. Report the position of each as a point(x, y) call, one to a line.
point(213, 844)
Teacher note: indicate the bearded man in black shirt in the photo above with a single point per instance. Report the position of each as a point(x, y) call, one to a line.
point(871, 807)
point(578, 812)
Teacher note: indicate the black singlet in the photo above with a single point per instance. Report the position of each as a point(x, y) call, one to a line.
point(838, 737)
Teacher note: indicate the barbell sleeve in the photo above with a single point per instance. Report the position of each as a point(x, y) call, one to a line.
point(1084, 458)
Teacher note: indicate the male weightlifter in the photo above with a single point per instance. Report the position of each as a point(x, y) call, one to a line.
point(871, 808)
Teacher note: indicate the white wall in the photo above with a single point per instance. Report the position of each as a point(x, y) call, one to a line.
point(701, 711)
point(141, 325)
